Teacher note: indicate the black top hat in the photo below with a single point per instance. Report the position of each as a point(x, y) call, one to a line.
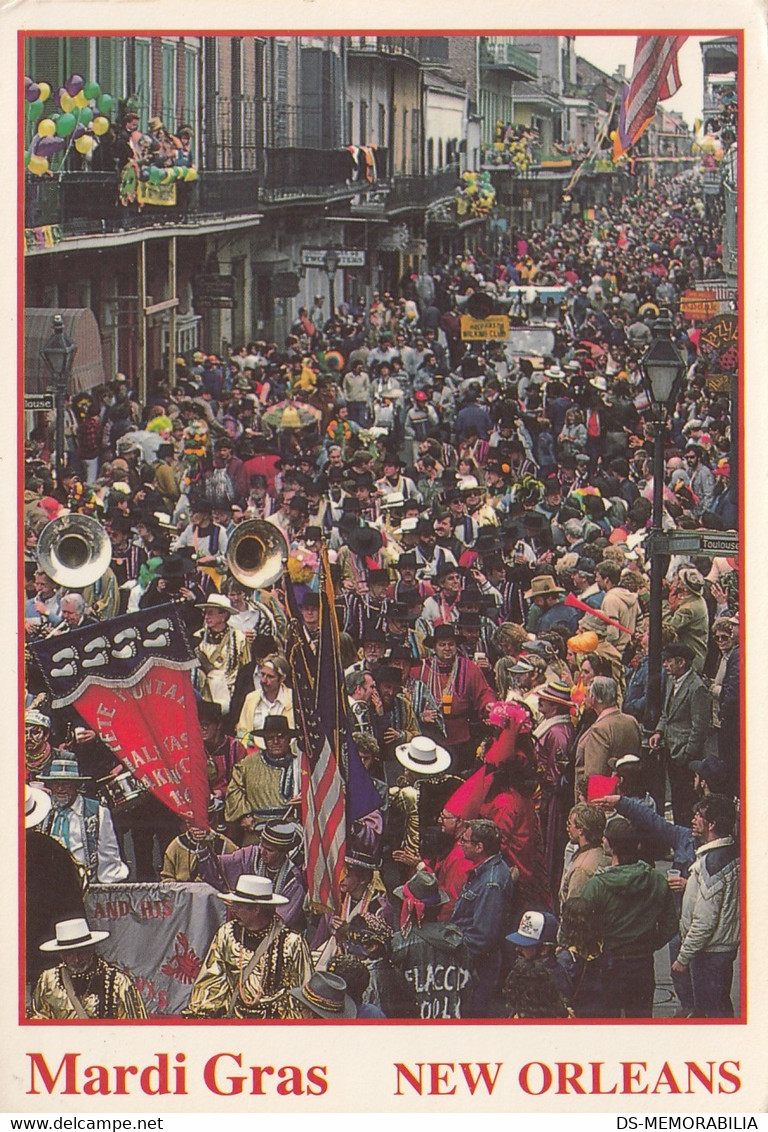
point(401, 611)
point(209, 712)
point(388, 674)
point(378, 577)
point(445, 632)
point(365, 541)
point(275, 725)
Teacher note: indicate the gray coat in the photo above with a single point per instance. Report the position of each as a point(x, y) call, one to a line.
point(685, 719)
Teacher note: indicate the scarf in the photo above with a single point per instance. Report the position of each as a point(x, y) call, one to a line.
point(412, 909)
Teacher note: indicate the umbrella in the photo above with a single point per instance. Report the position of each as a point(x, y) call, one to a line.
point(291, 414)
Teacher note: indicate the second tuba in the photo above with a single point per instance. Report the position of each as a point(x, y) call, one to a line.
point(74, 550)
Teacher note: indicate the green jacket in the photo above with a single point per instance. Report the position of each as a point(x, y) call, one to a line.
point(635, 905)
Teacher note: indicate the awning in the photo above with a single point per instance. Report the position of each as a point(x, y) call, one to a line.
point(81, 327)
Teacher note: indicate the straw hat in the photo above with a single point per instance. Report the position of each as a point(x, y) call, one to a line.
point(423, 756)
point(71, 935)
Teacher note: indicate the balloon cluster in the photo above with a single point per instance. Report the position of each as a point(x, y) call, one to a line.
point(512, 146)
point(77, 114)
point(709, 146)
point(476, 196)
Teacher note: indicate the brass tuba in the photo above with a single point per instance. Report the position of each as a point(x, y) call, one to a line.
point(74, 550)
point(257, 553)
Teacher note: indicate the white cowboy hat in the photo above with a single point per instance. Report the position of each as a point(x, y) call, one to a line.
point(217, 601)
point(600, 384)
point(72, 934)
point(37, 806)
point(423, 756)
point(253, 890)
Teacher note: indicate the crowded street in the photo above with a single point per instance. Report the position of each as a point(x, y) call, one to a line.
point(381, 556)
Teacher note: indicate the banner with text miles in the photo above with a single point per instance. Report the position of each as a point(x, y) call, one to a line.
point(492, 329)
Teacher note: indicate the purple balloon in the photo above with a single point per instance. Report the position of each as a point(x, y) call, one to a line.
point(74, 85)
point(47, 146)
point(32, 92)
point(27, 81)
point(58, 94)
point(78, 131)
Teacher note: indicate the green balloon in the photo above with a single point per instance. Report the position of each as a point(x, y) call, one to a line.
point(155, 174)
point(65, 125)
point(91, 90)
point(85, 116)
point(35, 110)
point(104, 103)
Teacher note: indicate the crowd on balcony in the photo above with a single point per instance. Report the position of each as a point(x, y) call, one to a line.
point(486, 518)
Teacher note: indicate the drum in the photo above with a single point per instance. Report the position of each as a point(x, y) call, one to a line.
point(121, 791)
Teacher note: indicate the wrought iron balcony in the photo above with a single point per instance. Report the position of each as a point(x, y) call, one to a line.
point(508, 57)
point(422, 190)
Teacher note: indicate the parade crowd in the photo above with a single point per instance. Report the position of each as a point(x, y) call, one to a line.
point(484, 514)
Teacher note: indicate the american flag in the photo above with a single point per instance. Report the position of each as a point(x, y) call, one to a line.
point(335, 789)
point(655, 76)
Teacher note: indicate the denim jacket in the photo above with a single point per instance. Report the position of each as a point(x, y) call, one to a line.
point(482, 911)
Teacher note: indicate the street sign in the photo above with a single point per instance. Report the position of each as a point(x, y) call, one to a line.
point(492, 329)
point(39, 402)
point(715, 543)
point(315, 257)
point(212, 290)
point(699, 304)
point(719, 344)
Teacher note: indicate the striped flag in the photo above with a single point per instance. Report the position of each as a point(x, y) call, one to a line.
point(655, 76)
point(336, 791)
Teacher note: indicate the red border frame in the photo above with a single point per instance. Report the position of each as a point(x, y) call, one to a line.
point(739, 35)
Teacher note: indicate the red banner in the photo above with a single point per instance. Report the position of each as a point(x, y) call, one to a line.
point(152, 727)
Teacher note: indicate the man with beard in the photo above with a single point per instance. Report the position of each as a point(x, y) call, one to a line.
point(253, 960)
point(459, 687)
point(270, 858)
point(81, 824)
point(83, 985)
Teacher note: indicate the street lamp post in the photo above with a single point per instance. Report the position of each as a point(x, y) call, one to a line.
point(58, 354)
point(663, 368)
point(331, 263)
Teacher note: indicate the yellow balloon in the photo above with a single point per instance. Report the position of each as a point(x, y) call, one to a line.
point(67, 103)
point(84, 144)
point(190, 175)
point(100, 126)
point(38, 165)
point(46, 128)
point(81, 100)
point(45, 91)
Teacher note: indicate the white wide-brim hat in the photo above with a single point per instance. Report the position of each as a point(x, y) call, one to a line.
point(37, 806)
point(217, 601)
point(71, 935)
point(253, 890)
point(423, 756)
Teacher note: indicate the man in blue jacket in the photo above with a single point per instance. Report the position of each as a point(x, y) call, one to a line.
point(483, 910)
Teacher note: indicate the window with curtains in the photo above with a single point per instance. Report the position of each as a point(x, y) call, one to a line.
point(191, 86)
point(168, 106)
point(110, 65)
point(143, 79)
point(52, 59)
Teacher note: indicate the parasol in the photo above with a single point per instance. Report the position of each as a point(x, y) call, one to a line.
point(291, 414)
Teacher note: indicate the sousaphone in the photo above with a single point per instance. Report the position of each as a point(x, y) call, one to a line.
point(256, 554)
point(74, 551)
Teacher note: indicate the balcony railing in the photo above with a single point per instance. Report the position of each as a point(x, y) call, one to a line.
point(420, 191)
point(86, 204)
point(510, 57)
point(407, 45)
point(296, 173)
